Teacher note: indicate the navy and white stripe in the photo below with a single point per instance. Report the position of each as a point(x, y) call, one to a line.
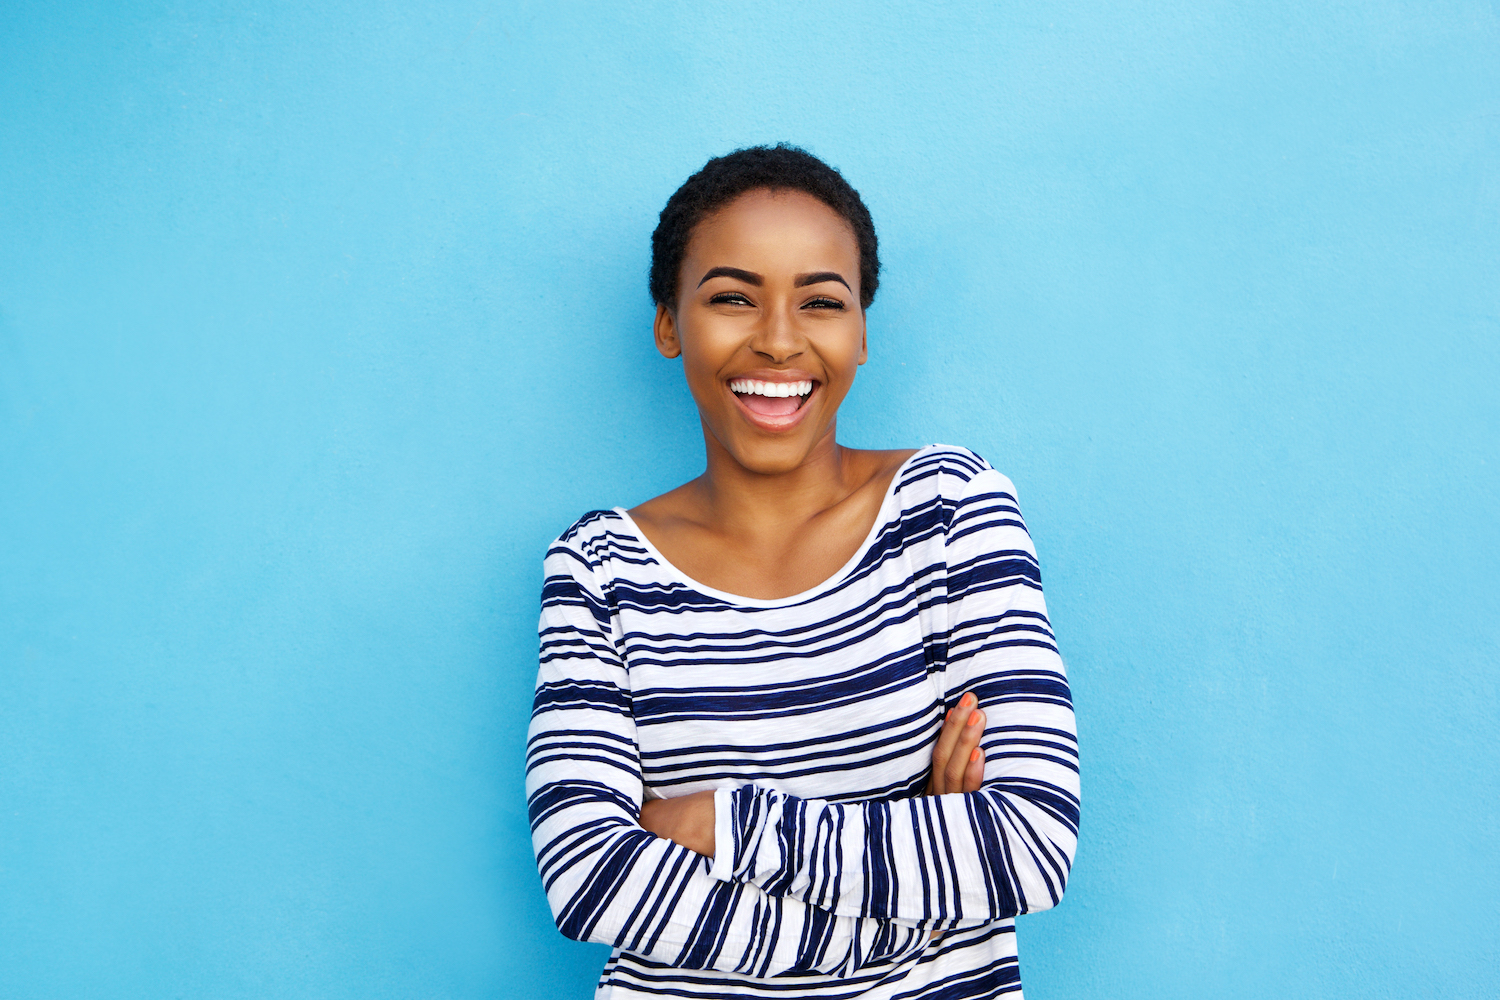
point(813, 717)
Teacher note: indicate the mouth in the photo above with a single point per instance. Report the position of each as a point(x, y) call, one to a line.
point(773, 405)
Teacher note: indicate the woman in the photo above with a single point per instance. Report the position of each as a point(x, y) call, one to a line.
point(800, 726)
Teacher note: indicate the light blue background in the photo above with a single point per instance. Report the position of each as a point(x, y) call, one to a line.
point(317, 324)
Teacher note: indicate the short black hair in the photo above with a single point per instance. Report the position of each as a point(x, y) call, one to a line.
point(724, 178)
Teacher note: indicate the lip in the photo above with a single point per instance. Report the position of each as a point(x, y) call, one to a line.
point(772, 424)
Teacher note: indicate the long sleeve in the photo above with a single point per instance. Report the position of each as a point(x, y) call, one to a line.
point(607, 879)
point(960, 858)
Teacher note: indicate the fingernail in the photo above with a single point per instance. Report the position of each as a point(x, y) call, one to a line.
point(974, 756)
point(968, 701)
point(975, 718)
point(949, 716)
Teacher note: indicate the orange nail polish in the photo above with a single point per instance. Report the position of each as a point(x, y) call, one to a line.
point(975, 718)
point(974, 756)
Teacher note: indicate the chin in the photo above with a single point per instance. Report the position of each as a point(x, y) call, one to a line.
point(772, 458)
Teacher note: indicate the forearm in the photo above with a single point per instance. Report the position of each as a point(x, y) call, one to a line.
point(947, 859)
point(695, 822)
point(997, 852)
point(687, 820)
point(615, 883)
point(979, 856)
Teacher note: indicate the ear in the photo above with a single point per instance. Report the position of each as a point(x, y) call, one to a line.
point(665, 329)
point(864, 347)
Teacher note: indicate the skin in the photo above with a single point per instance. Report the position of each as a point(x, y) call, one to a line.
point(769, 289)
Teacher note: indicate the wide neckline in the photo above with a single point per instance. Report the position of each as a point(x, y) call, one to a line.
point(882, 517)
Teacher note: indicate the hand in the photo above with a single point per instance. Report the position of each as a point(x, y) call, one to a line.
point(687, 820)
point(957, 760)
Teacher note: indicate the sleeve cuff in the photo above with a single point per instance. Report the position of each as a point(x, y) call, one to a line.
point(723, 863)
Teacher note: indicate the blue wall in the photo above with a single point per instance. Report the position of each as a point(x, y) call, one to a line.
point(316, 326)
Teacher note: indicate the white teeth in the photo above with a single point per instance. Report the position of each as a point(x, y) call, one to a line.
point(756, 387)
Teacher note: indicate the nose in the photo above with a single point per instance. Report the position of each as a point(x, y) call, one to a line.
point(777, 338)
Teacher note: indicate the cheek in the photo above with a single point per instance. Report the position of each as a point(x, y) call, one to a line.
point(705, 351)
point(702, 377)
point(844, 354)
point(697, 362)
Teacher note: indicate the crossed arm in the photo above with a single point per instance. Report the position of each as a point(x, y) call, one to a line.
point(957, 766)
point(610, 880)
point(760, 883)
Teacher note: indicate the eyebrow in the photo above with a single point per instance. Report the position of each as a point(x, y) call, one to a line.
point(818, 276)
point(751, 278)
point(748, 277)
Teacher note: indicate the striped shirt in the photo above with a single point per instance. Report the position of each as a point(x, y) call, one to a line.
point(814, 718)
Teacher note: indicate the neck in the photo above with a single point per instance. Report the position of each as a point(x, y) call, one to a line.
point(743, 500)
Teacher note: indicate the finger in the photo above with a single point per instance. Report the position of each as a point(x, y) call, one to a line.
point(935, 779)
point(968, 740)
point(962, 761)
point(942, 751)
point(974, 773)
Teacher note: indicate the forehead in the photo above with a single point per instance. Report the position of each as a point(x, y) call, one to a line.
point(791, 227)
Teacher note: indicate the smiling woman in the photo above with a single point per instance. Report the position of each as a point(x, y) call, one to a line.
point(801, 727)
point(781, 344)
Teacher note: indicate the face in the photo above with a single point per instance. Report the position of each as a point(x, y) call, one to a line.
point(768, 325)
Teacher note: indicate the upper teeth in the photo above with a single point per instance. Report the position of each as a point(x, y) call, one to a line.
point(758, 388)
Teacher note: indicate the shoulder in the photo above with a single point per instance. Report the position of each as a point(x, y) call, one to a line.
point(596, 538)
point(954, 494)
point(951, 472)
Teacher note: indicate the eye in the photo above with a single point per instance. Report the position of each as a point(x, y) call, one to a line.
point(824, 302)
point(729, 299)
